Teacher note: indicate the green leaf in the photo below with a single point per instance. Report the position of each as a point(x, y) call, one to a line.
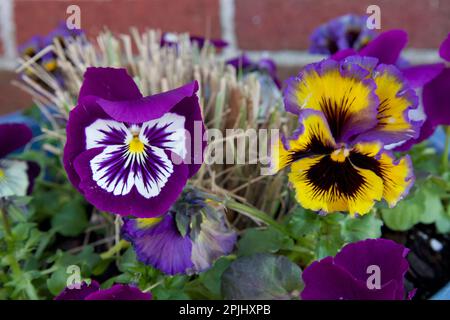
point(71, 220)
point(424, 205)
point(262, 240)
point(182, 222)
point(211, 278)
point(262, 276)
point(361, 228)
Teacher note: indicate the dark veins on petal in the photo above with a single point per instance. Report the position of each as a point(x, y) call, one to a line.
point(315, 146)
point(158, 136)
point(337, 113)
point(335, 179)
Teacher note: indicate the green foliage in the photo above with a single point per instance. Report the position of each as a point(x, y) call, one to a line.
point(424, 205)
point(319, 236)
point(263, 240)
point(262, 276)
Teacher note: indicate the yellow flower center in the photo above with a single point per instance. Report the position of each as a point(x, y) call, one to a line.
point(136, 145)
point(340, 155)
point(2, 174)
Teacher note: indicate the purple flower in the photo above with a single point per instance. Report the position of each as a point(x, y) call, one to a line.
point(435, 98)
point(129, 154)
point(92, 291)
point(16, 176)
point(171, 39)
point(265, 65)
point(346, 32)
point(348, 111)
point(354, 272)
point(387, 48)
point(188, 239)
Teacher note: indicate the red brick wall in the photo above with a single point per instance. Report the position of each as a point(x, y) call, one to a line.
point(260, 24)
point(195, 16)
point(287, 24)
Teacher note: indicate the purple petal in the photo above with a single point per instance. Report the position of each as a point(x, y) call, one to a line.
point(160, 245)
point(13, 136)
point(387, 46)
point(444, 50)
point(436, 99)
point(241, 62)
point(324, 280)
point(389, 256)
point(132, 203)
point(120, 292)
point(110, 84)
point(78, 294)
point(419, 75)
point(190, 109)
point(218, 43)
point(82, 116)
point(342, 54)
point(33, 171)
point(214, 240)
point(148, 108)
point(426, 131)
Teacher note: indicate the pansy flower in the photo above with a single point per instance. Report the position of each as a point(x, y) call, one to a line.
point(129, 154)
point(265, 65)
point(347, 111)
point(371, 269)
point(346, 32)
point(188, 239)
point(92, 291)
point(16, 176)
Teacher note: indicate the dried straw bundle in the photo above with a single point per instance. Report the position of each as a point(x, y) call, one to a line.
point(229, 99)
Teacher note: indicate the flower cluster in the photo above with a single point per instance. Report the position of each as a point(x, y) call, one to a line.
point(348, 111)
point(346, 32)
point(48, 61)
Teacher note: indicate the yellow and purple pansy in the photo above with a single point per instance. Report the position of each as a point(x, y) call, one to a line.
point(348, 111)
point(129, 154)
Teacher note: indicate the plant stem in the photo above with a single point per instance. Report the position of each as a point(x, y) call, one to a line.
point(446, 149)
point(254, 213)
point(122, 244)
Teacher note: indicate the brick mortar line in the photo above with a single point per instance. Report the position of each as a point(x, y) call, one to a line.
point(228, 28)
point(7, 29)
point(298, 57)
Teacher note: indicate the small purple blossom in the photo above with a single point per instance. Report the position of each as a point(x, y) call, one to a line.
point(92, 291)
point(16, 176)
point(345, 32)
point(129, 154)
point(346, 276)
point(188, 239)
point(172, 39)
point(246, 65)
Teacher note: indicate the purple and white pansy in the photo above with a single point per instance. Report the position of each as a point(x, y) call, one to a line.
point(129, 154)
